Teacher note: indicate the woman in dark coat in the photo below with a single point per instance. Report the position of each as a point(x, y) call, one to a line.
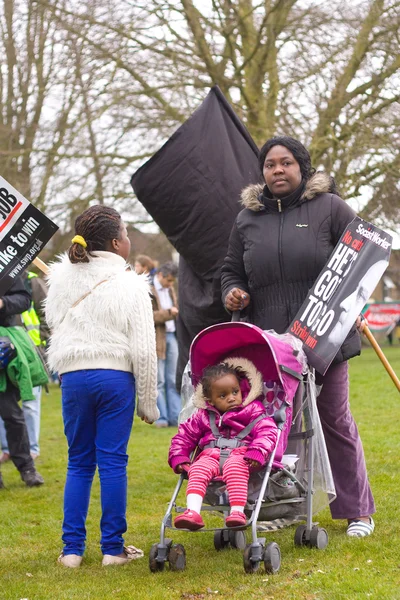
point(278, 246)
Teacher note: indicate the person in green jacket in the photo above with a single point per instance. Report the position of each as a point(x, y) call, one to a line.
point(14, 302)
point(34, 322)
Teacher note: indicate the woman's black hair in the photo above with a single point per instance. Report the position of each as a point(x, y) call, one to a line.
point(299, 151)
point(97, 225)
point(215, 372)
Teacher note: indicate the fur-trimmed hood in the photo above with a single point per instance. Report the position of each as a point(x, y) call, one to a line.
point(252, 375)
point(319, 183)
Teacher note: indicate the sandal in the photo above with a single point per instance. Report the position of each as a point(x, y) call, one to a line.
point(358, 528)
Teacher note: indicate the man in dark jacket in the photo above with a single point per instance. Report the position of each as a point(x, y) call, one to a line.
point(14, 302)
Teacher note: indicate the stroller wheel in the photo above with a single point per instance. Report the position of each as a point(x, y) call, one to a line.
point(318, 538)
point(221, 539)
point(299, 536)
point(177, 557)
point(237, 539)
point(250, 566)
point(272, 558)
point(153, 563)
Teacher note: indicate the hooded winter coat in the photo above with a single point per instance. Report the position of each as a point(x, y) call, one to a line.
point(276, 255)
point(196, 431)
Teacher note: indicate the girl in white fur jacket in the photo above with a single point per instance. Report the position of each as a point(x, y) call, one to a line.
point(103, 346)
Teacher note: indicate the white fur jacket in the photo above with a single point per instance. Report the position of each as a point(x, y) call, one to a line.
point(111, 328)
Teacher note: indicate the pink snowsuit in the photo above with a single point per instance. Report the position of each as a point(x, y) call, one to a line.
point(197, 432)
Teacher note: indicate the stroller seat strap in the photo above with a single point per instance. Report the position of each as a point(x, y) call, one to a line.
point(228, 444)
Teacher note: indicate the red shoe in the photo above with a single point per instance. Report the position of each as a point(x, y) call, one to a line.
point(236, 519)
point(189, 520)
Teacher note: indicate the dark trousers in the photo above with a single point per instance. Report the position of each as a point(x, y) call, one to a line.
point(17, 434)
point(354, 498)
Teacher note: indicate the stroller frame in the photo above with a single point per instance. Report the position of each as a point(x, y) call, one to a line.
point(308, 534)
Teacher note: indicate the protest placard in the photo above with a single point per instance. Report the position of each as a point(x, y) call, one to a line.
point(341, 291)
point(24, 231)
point(382, 316)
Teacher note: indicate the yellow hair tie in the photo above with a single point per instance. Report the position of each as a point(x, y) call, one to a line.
point(78, 239)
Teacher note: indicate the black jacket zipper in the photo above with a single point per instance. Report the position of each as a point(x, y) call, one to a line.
point(281, 217)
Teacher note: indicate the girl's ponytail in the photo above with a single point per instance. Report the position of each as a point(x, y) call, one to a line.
point(94, 228)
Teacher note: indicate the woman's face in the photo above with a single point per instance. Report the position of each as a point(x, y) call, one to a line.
point(139, 268)
point(122, 245)
point(281, 172)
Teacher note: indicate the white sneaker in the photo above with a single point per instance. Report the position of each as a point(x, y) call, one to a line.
point(130, 552)
point(70, 560)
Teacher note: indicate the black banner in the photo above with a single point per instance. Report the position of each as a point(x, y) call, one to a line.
point(24, 231)
point(341, 291)
point(191, 188)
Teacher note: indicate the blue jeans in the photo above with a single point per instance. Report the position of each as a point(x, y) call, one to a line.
point(31, 410)
point(168, 400)
point(98, 407)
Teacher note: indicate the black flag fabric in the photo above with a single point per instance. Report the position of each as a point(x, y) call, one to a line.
point(341, 291)
point(191, 187)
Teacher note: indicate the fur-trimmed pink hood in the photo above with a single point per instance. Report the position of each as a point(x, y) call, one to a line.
point(251, 387)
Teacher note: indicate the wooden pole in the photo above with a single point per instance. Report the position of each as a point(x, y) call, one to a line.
point(41, 265)
point(382, 357)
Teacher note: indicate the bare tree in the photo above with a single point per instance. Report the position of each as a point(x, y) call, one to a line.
point(58, 145)
point(29, 139)
point(327, 73)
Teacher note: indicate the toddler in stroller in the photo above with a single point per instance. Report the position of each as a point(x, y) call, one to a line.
point(269, 380)
point(233, 434)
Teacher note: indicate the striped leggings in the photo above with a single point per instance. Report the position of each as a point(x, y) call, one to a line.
point(235, 474)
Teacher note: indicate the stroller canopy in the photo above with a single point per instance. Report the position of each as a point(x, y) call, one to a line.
point(274, 357)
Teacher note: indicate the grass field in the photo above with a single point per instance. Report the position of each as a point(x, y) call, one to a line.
point(30, 523)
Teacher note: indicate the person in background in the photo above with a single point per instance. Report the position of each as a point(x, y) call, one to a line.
point(103, 346)
point(34, 322)
point(397, 330)
point(145, 264)
point(279, 243)
point(14, 302)
point(165, 313)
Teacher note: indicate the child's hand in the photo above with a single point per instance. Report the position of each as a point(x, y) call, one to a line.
point(146, 420)
point(182, 467)
point(254, 463)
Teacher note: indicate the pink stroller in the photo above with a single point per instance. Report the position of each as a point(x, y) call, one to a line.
point(281, 492)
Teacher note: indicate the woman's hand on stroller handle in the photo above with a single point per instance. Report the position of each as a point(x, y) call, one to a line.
point(237, 299)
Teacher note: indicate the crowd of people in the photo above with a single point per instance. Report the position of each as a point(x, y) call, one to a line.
point(114, 346)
